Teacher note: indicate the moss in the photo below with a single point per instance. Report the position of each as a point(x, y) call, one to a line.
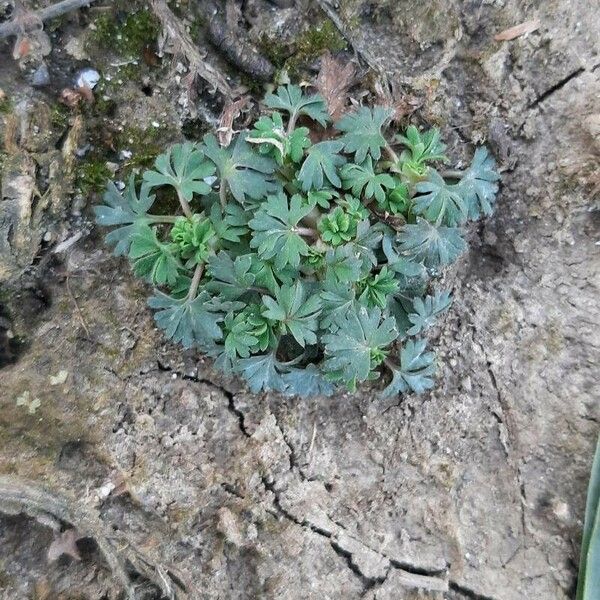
point(92, 175)
point(144, 144)
point(277, 52)
point(129, 37)
point(59, 116)
point(314, 41)
point(308, 46)
point(5, 105)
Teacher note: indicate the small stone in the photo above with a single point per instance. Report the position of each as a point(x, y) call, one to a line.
point(125, 154)
point(87, 78)
point(59, 378)
point(41, 77)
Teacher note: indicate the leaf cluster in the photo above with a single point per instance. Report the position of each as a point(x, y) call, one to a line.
point(303, 266)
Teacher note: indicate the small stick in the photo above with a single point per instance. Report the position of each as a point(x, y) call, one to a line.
point(30, 20)
point(79, 314)
point(195, 281)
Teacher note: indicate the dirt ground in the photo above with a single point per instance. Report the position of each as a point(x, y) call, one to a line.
point(177, 479)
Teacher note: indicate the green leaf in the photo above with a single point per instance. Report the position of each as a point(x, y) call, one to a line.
point(426, 311)
point(294, 312)
point(290, 99)
point(376, 288)
point(588, 581)
point(479, 184)
point(337, 227)
point(230, 279)
point(247, 332)
point(362, 132)
point(270, 133)
point(194, 239)
point(183, 167)
point(368, 238)
point(275, 230)
point(439, 202)
point(338, 299)
point(415, 370)
point(321, 162)
point(363, 177)
point(421, 148)
point(262, 373)
point(398, 200)
point(153, 260)
point(245, 172)
point(127, 209)
point(349, 351)
point(401, 264)
point(320, 198)
point(307, 382)
point(435, 246)
point(190, 322)
point(232, 225)
point(342, 264)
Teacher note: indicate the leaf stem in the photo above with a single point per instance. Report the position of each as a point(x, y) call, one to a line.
point(163, 218)
point(195, 281)
point(223, 194)
point(185, 205)
point(306, 231)
point(292, 122)
point(391, 153)
point(390, 364)
point(452, 174)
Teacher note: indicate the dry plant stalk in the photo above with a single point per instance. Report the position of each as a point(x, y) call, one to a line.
point(183, 45)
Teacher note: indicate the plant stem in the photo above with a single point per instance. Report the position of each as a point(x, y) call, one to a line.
point(453, 174)
point(390, 152)
point(163, 218)
point(306, 231)
point(185, 205)
point(223, 194)
point(391, 365)
point(195, 281)
point(292, 123)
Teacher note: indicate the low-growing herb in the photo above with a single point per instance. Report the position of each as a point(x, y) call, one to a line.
point(304, 266)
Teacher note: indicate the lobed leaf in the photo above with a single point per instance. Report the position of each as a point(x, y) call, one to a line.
point(427, 310)
point(127, 209)
point(183, 167)
point(321, 163)
point(349, 351)
point(275, 233)
point(479, 184)
point(295, 312)
point(245, 172)
point(191, 322)
point(415, 370)
point(439, 202)
point(362, 132)
point(152, 260)
point(290, 99)
point(434, 246)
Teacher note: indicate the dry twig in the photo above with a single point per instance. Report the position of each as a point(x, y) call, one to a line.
point(183, 45)
point(18, 496)
point(32, 20)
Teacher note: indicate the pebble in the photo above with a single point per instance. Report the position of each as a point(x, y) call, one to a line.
point(41, 77)
point(87, 78)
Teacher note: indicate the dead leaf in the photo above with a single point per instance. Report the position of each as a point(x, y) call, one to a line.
point(518, 30)
point(230, 113)
point(21, 48)
point(402, 104)
point(65, 543)
point(333, 82)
